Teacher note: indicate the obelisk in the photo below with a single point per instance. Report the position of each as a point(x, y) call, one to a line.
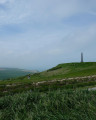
point(81, 57)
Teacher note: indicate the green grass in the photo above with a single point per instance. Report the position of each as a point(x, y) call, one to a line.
point(50, 105)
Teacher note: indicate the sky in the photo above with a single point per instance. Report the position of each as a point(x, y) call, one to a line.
point(39, 34)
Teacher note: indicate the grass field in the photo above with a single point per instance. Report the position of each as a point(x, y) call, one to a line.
point(50, 105)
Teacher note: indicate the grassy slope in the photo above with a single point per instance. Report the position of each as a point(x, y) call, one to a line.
point(71, 70)
point(66, 70)
point(60, 71)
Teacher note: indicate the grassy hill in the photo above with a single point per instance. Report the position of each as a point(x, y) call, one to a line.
point(61, 71)
point(7, 73)
point(65, 71)
point(72, 70)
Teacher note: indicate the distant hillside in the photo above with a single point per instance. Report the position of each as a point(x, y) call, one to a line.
point(7, 73)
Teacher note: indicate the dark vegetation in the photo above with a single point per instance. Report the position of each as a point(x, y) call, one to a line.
point(67, 84)
point(54, 68)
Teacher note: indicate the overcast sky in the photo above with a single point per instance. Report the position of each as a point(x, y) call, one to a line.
point(39, 34)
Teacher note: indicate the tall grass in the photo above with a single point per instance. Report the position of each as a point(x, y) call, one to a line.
point(51, 105)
